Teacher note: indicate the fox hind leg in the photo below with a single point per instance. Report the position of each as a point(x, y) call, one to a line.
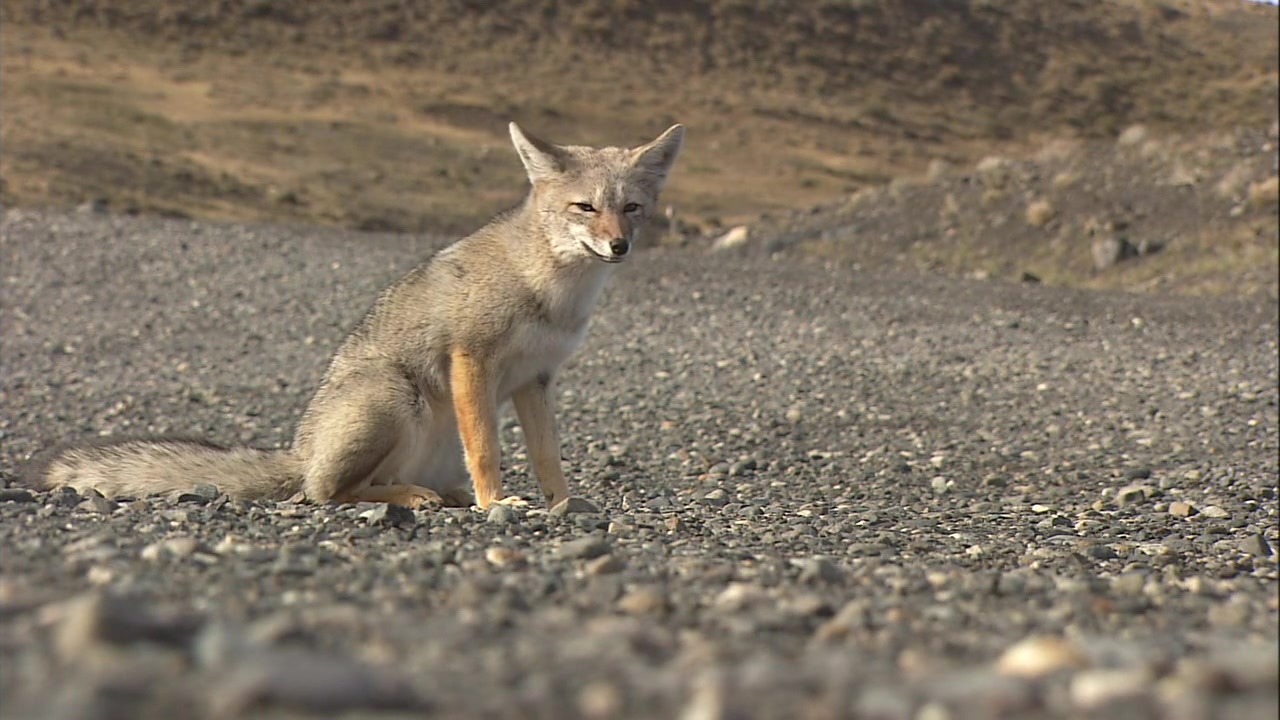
point(352, 434)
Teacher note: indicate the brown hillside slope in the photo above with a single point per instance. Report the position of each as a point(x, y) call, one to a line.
point(391, 114)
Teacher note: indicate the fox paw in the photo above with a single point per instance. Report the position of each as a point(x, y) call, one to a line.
point(457, 497)
point(511, 501)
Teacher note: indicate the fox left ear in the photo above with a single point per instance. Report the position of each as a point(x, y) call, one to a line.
point(655, 159)
point(541, 159)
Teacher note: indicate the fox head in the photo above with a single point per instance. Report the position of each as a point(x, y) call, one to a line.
point(590, 202)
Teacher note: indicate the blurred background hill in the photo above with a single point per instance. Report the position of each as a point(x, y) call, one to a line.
point(917, 133)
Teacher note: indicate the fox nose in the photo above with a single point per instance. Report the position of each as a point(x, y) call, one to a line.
point(619, 246)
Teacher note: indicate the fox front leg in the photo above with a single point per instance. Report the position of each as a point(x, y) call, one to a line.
point(537, 418)
point(476, 406)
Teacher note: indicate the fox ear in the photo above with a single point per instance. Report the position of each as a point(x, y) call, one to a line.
point(541, 159)
point(655, 159)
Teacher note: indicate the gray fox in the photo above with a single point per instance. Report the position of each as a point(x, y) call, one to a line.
point(408, 408)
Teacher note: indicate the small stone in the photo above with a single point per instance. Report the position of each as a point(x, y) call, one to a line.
point(1138, 473)
point(1038, 656)
point(852, 617)
point(501, 556)
point(1179, 508)
point(99, 505)
point(94, 206)
point(309, 681)
point(805, 605)
point(1233, 612)
point(16, 495)
point(1132, 494)
point(1256, 545)
point(1101, 552)
point(818, 570)
point(389, 514)
point(1095, 689)
point(176, 547)
point(500, 514)
point(1130, 584)
point(206, 490)
point(599, 700)
point(933, 711)
point(673, 523)
point(732, 239)
point(643, 601)
point(1041, 509)
point(939, 485)
point(92, 622)
point(996, 694)
point(1214, 511)
point(198, 495)
point(99, 575)
point(883, 703)
point(583, 548)
point(66, 496)
point(716, 498)
point(1246, 665)
point(605, 565)
point(572, 505)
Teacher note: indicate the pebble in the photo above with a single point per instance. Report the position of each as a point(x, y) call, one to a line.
point(1179, 508)
point(504, 557)
point(1130, 583)
point(310, 682)
point(605, 565)
point(89, 624)
point(1257, 545)
point(716, 498)
point(1131, 494)
point(1038, 656)
point(1214, 511)
point(1094, 689)
point(500, 514)
point(98, 504)
point(389, 514)
point(583, 548)
point(16, 495)
point(993, 694)
point(818, 570)
point(643, 601)
point(176, 547)
point(571, 506)
point(851, 618)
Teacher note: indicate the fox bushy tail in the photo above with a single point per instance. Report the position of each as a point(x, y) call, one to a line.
point(137, 468)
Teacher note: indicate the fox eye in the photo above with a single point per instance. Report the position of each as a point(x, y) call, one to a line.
point(585, 207)
point(631, 207)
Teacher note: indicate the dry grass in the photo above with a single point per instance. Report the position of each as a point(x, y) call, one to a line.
point(1040, 212)
point(1265, 193)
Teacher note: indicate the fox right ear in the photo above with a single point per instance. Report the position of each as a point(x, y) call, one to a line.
point(540, 157)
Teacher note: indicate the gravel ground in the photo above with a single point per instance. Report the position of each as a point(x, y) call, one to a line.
point(819, 493)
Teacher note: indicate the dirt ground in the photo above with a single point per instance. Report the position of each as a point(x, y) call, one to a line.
point(391, 115)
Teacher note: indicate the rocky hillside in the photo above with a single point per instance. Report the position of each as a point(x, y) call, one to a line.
point(391, 114)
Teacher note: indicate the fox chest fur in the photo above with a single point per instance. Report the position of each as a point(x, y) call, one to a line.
point(524, 320)
point(540, 341)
